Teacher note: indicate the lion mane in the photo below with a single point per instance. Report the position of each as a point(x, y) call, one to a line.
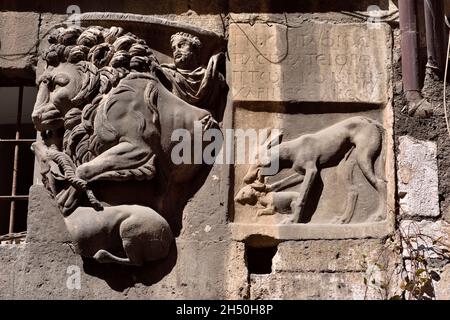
point(103, 56)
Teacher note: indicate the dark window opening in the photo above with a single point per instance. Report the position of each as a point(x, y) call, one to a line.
point(259, 259)
point(16, 160)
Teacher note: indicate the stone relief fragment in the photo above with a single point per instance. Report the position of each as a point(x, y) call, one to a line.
point(106, 109)
point(328, 88)
point(355, 142)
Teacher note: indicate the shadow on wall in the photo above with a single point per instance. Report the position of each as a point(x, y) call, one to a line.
point(199, 6)
point(120, 277)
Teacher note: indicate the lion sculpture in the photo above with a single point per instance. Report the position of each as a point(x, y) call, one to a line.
point(106, 118)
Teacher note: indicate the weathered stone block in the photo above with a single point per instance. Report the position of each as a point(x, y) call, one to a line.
point(308, 285)
point(45, 220)
point(18, 44)
point(9, 264)
point(49, 23)
point(417, 178)
point(327, 256)
point(312, 62)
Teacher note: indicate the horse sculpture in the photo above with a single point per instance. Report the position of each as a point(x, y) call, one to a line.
point(106, 118)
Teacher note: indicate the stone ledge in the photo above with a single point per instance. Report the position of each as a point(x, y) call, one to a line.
point(242, 231)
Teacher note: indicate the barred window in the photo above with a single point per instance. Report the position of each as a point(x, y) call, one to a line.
point(16, 160)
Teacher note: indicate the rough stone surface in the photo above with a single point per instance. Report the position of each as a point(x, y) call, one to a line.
point(427, 236)
point(10, 256)
point(204, 217)
point(326, 256)
point(417, 178)
point(18, 46)
point(312, 286)
point(195, 270)
point(311, 62)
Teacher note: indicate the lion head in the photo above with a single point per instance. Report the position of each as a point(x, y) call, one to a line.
point(82, 64)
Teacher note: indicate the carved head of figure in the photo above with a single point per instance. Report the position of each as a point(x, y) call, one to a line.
point(186, 49)
point(83, 63)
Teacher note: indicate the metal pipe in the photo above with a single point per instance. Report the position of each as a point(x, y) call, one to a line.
point(435, 33)
point(409, 36)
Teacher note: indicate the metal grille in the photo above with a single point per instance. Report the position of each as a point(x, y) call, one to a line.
point(14, 236)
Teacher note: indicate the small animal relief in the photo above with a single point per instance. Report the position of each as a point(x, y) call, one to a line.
point(348, 145)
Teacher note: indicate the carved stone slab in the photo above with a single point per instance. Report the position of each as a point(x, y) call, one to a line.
point(328, 89)
point(315, 61)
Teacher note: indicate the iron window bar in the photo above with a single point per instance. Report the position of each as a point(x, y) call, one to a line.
point(13, 197)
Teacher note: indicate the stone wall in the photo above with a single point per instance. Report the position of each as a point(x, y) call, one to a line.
point(298, 67)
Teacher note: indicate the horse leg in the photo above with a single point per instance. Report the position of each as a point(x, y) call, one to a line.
point(123, 156)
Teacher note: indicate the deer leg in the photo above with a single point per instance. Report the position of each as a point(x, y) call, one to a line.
point(292, 180)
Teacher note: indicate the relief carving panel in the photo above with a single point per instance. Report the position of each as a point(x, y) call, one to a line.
point(106, 109)
point(329, 97)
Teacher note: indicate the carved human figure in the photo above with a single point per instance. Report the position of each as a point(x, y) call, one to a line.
point(203, 87)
